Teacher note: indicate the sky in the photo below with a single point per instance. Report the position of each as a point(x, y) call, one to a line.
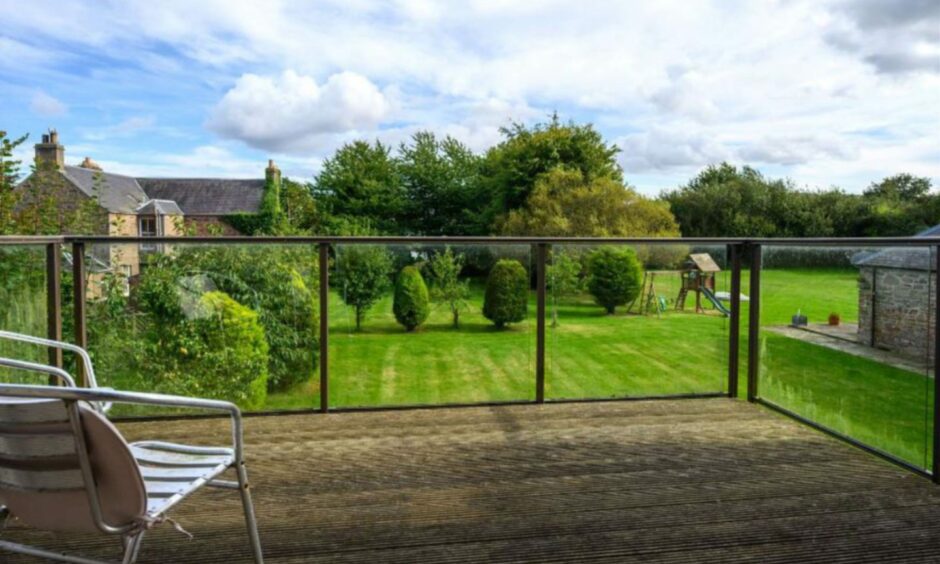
point(826, 92)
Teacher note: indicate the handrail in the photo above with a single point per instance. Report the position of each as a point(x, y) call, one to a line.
point(417, 240)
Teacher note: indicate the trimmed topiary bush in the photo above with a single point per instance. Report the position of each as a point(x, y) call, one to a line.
point(614, 276)
point(507, 293)
point(411, 305)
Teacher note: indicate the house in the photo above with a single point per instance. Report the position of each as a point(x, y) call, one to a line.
point(897, 293)
point(147, 207)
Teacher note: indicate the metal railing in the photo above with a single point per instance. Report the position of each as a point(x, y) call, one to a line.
point(740, 253)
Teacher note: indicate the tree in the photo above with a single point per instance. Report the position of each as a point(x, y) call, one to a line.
point(410, 306)
point(507, 293)
point(9, 176)
point(563, 278)
point(361, 181)
point(362, 275)
point(511, 169)
point(564, 203)
point(441, 182)
point(614, 276)
point(300, 209)
point(898, 205)
point(446, 286)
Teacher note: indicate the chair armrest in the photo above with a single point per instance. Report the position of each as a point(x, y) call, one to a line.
point(98, 395)
point(82, 353)
point(62, 375)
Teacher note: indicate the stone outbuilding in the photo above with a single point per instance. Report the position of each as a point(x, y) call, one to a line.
point(897, 293)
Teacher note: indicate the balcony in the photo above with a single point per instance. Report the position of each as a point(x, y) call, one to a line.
point(732, 429)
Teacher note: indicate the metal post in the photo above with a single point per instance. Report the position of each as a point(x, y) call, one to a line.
point(324, 265)
point(935, 467)
point(734, 329)
point(78, 303)
point(54, 300)
point(753, 327)
point(541, 257)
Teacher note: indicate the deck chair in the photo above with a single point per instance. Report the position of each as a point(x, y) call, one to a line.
point(65, 467)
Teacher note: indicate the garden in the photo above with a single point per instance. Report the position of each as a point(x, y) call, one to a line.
point(437, 325)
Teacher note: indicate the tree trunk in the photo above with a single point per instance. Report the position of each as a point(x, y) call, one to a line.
point(456, 318)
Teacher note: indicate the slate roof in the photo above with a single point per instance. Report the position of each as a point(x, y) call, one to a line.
point(907, 258)
point(161, 207)
point(118, 193)
point(207, 196)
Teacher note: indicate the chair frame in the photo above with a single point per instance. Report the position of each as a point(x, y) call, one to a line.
point(101, 398)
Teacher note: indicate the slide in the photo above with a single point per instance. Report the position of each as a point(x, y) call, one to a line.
point(716, 302)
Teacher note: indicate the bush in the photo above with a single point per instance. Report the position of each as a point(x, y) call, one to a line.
point(411, 306)
point(229, 356)
point(507, 293)
point(614, 276)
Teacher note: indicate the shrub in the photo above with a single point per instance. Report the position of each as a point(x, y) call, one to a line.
point(507, 293)
point(411, 306)
point(614, 276)
point(231, 360)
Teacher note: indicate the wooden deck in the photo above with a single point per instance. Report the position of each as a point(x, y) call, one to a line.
point(653, 481)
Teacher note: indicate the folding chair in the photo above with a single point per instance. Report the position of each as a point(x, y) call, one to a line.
point(65, 467)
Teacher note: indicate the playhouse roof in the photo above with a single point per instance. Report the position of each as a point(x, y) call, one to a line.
point(704, 262)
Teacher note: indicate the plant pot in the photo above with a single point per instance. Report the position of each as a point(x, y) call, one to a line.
point(799, 321)
point(834, 319)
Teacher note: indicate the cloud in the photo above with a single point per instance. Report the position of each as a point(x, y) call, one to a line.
point(662, 149)
point(292, 113)
point(45, 105)
point(895, 37)
point(797, 150)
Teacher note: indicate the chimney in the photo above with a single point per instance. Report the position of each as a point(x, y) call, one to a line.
point(50, 150)
point(90, 164)
point(272, 173)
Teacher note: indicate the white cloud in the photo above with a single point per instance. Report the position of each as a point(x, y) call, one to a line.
point(661, 149)
point(47, 106)
point(293, 113)
point(798, 150)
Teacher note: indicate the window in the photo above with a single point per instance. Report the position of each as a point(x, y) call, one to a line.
point(148, 227)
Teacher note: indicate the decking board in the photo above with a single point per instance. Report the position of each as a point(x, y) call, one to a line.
point(656, 481)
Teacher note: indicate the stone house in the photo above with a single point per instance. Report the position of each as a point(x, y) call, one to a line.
point(897, 293)
point(146, 207)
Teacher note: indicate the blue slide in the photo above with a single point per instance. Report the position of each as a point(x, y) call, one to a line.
point(716, 302)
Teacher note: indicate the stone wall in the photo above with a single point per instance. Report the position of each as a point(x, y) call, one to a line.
point(199, 225)
point(896, 311)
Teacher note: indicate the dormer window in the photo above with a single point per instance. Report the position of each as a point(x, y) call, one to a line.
point(148, 227)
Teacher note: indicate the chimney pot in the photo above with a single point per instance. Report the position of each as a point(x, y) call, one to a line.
point(50, 150)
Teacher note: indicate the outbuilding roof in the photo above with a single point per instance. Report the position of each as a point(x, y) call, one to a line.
point(906, 258)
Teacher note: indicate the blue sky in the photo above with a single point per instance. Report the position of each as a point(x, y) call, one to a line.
point(826, 92)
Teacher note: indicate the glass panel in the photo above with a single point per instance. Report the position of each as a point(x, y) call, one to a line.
point(23, 304)
point(629, 321)
point(234, 322)
point(845, 339)
point(453, 350)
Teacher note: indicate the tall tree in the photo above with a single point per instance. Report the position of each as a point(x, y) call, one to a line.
point(511, 169)
point(361, 181)
point(564, 203)
point(440, 178)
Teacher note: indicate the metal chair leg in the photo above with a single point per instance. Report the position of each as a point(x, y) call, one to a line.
point(131, 547)
point(249, 509)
